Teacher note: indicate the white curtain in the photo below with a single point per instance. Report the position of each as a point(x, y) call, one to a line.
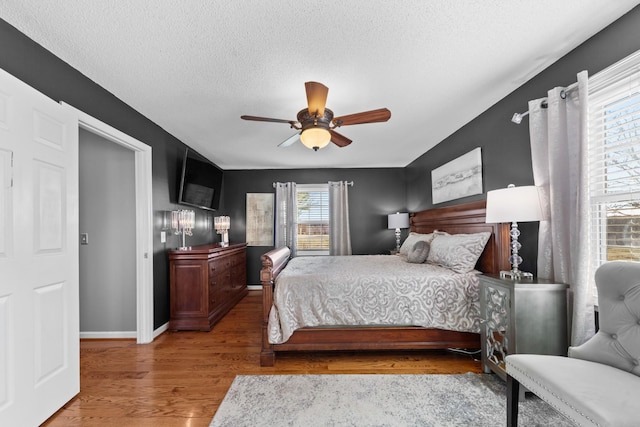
point(286, 216)
point(559, 157)
point(339, 235)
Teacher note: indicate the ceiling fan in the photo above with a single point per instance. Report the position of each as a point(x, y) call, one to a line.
point(316, 123)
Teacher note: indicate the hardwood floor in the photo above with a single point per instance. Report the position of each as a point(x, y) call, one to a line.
point(181, 378)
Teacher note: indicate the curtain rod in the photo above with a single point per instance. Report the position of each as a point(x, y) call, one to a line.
point(517, 117)
point(349, 183)
point(629, 61)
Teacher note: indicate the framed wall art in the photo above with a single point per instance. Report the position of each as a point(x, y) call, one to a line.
point(460, 177)
point(260, 219)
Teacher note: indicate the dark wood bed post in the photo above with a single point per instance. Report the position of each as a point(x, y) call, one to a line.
point(272, 263)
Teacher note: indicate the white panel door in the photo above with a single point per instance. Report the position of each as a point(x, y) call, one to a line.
point(39, 330)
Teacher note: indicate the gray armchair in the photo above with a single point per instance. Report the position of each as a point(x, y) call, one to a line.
point(599, 383)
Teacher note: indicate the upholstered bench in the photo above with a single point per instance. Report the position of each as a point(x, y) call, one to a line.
point(588, 393)
point(599, 383)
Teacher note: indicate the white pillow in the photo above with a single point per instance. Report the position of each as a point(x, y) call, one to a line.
point(412, 239)
point(458, 252)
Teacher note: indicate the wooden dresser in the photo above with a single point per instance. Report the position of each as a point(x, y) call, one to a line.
point(206, 282)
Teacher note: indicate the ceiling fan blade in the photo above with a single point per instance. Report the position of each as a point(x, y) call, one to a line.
point(338, 139)
point(267, 119)
point(316, 98)
point(290, 141)
point(373, 116)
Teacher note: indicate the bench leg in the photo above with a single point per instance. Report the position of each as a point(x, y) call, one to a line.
point(513, 394)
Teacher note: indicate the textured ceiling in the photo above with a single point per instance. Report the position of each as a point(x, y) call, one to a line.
point(194, 67)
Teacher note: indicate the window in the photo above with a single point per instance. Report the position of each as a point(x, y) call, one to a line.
point(614, 163)
point(313, 219)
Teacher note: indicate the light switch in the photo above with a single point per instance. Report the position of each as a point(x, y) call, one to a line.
point(84, 238)
point(163, 237)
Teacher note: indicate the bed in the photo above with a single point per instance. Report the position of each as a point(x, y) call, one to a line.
point(467, 218)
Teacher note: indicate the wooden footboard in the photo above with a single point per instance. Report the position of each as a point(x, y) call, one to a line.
point(272, 264)
point(467, 218)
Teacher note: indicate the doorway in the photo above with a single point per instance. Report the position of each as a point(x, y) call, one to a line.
point(107, 271)
point(143, 218)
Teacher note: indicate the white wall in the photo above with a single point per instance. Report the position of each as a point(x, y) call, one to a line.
point(107, 214)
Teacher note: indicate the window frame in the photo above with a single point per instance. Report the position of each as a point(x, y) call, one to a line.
point(606, 124)
point(313, 188)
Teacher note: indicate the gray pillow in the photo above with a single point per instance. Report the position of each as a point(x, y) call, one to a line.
point(419, 252)
point(411, 240)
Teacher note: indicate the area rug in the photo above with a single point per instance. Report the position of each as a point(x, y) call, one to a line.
point(375, 400)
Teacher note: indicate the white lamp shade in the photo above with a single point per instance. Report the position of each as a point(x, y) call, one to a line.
point(222, 223)
point(514, 204)
point(183, 219)
point(398, 220)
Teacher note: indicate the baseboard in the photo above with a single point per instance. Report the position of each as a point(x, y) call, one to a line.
point(120, 334)
point(109, 335)
point(254, 287)
point(160, 330)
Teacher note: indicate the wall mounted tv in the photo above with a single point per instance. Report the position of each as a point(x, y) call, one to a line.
point(200, 183)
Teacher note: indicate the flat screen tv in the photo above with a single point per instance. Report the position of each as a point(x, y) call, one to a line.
point(200, 183)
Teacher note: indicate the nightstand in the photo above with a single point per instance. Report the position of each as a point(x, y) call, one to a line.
point(521, 316)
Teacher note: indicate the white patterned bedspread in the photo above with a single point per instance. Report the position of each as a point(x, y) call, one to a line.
point(371, 290)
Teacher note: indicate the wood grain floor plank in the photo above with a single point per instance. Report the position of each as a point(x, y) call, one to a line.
point(181, 378)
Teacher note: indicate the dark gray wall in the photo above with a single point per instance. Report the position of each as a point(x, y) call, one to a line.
point(506, 154)
point(375, 194)
point(108, 216)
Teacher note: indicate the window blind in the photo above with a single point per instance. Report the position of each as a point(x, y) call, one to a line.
point(313, 218)
point(614, 162)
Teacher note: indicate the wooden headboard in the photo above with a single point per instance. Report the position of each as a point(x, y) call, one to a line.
point(469, 218)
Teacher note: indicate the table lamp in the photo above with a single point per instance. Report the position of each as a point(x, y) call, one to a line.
point(398, 220)
point(183, 222)
point(222, 225)
point(514, 204)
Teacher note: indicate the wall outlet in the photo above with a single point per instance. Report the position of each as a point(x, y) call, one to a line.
point(163, 237)
point(84, 238)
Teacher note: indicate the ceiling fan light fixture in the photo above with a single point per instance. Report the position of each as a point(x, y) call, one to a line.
point(316, 123)
point(315, 138)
